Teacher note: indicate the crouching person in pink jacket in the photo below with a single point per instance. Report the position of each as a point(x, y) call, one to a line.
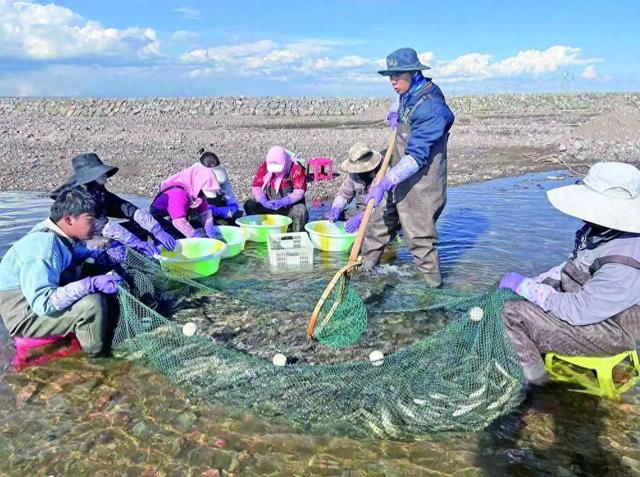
point(183, 200)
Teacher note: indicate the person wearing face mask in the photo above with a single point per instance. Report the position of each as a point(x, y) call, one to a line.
point(183, 198)
point(92, 175)
point(590, 304)
point(279, 187)
point(362, 165)
point(413, 192)
point(224, 206)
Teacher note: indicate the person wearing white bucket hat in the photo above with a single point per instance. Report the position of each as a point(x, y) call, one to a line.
point(590, 304)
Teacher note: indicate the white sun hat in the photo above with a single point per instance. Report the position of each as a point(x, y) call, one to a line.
point(608, 196)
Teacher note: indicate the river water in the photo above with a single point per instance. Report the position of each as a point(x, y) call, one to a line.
point(109, 417)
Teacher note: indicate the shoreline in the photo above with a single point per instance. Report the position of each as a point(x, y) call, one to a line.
point(150, 139)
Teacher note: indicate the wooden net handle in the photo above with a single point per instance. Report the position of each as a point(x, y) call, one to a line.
point(357, 244)
point(355, 249)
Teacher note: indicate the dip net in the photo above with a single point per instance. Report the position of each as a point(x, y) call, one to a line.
point(459, 378)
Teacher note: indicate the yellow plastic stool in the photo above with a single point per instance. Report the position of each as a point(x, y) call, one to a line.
point(602, 383)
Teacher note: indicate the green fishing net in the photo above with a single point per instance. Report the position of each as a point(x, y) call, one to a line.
point(459, 378)
point(342, 317)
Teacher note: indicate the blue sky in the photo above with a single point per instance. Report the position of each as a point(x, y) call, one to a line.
point(313, 48)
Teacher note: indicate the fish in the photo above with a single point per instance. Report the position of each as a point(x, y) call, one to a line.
point(461, 410)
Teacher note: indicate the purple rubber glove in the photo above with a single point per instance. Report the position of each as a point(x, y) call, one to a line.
point(64, 297)
point(198, 234)
point(213, 232)
point(511, 281)
point(392, 119)
point(334, 214)
point(148, 249)
point(280, 203)
point(266, 203)
point(353, 224)
point(107, 284)
point(163, 237)
point(376, 192)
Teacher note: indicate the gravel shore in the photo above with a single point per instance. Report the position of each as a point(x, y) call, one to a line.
point(494, 136)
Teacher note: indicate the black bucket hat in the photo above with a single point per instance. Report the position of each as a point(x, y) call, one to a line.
point(402, 61)
point(87, 167)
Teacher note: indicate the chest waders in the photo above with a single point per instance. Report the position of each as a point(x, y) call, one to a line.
point(413, 206)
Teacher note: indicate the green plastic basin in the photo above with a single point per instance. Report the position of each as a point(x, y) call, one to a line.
point(329, 237)
point(261, 226)
point(196, 255)
point(234, 238)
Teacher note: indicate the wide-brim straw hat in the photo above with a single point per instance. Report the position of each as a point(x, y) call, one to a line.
point(608, 196)
point(361, 158)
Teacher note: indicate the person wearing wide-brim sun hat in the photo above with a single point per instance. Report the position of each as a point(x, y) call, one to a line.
point(90, 173)
point(590, 304)
point(362, 165)
point(413, 193)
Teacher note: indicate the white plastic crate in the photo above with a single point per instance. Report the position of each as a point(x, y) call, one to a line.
point(290, 251)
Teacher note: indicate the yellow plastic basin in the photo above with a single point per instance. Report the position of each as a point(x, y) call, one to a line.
point(197, 255)
point(234, 238)
point(261, 226)
point(330, 237)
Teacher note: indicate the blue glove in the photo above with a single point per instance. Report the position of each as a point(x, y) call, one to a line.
point(353, 224)
point(224, 212)
point(511, 281)
point(233, 206)
point(198, 234)
point(102, 283)
point(334, 214)
point(376, 192)
point(148, 249)
point(163, 237)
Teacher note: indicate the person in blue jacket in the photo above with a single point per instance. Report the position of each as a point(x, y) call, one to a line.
point(413, 193)
point(41, 291)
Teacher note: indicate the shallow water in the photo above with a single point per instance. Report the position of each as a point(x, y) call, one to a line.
point(105, 416)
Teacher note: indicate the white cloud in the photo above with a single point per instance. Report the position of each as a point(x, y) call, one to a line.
point(44, 32)
point(524, 64)
point(471, 64)
point(188, 13)
point(184, 36)
point(590, 73)
point(229, 53)
point(268, 58)
point(538, 62)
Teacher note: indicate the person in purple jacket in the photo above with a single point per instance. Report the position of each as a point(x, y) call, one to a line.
point(413, 193)
point(590, 304)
